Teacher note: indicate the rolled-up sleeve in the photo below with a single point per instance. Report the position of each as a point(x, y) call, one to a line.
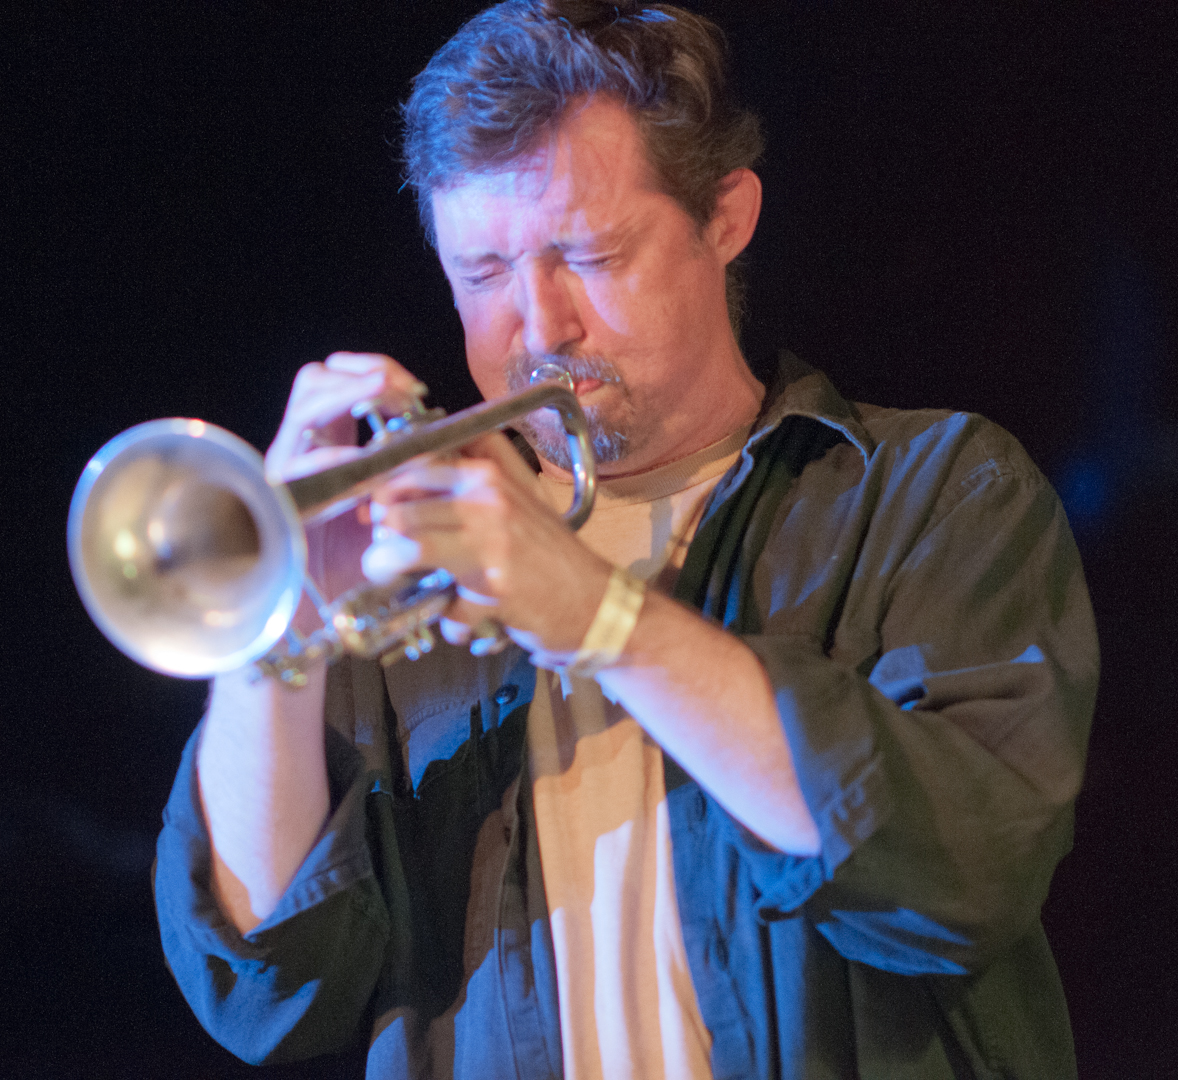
point(942, 764)
point(299, 983)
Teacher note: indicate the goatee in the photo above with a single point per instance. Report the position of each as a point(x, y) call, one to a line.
point(542, 429)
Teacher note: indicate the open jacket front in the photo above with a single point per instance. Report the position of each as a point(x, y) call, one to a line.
point(910, 584)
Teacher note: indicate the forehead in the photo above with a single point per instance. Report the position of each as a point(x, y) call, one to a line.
point(591, 175)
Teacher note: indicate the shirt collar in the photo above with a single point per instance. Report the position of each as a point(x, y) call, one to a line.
point(801, 390)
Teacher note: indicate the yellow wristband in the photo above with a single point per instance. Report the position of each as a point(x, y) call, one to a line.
point(616, 617)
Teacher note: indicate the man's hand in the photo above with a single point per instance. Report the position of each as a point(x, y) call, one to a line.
point(261, 764)
point(698, 691)
point(480, 516)
point(319, 431)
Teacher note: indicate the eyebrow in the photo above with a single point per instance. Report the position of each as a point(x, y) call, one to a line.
point(616, 236)
point(478, 260)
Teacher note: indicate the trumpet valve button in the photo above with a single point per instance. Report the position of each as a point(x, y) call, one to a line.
point(369, 410)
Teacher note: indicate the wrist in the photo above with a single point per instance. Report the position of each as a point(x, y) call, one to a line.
point(607, 634)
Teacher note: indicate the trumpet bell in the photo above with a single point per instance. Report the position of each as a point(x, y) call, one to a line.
point(193, 564)
point(184, 556)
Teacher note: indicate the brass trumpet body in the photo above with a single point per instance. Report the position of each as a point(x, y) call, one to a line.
point(192, 563)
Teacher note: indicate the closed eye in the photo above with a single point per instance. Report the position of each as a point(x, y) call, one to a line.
point(598, 262)
point(474, 281)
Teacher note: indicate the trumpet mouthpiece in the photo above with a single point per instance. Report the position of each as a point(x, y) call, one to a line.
point(551, 371)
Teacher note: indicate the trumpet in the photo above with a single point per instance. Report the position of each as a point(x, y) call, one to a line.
point(192, 563)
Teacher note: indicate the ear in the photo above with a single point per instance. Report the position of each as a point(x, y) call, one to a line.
point(737, 209)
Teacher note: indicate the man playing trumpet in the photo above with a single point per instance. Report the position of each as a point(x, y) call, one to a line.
point(772, 775)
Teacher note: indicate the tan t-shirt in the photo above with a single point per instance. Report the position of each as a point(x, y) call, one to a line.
point(627, 1005)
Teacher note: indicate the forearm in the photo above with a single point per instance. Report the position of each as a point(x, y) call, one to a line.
point(698, 691)
point(263, 786)
point(705, 698)
point(261, 760)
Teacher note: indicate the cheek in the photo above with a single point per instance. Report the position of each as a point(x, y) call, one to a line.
point(643, 313)
point(658, 299)
point(630, 307)
point(489, 335)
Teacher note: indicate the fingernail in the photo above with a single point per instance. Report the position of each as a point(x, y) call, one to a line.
point(419, 389)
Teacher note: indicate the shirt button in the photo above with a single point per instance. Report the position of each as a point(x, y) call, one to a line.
point(505, 695)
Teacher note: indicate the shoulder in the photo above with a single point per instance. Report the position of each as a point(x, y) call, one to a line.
point(941, 445)
point(957, 452)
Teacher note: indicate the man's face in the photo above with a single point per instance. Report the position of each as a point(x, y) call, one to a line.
point(574, 254)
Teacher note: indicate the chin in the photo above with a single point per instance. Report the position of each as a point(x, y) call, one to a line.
point(610, 444)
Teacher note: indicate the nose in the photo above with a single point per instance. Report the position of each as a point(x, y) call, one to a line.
point(550, 316)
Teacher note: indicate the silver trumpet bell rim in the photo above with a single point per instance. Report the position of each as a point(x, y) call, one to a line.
point(113, 557)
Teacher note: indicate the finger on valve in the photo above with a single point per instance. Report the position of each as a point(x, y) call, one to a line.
point(396, 388)
point(319, 413)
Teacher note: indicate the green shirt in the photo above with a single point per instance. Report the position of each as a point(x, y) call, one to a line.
point(910, 584)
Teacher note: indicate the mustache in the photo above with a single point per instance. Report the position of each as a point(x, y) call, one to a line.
point(580, 368)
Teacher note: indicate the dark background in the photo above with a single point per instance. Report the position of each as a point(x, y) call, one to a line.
point(966, 206)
